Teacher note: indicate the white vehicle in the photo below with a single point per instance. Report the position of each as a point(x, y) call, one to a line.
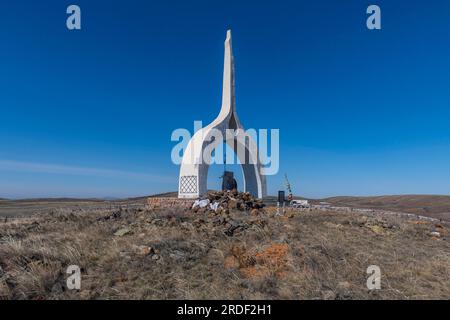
point(300, 204)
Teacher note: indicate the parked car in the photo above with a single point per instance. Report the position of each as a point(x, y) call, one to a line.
point(299, 204)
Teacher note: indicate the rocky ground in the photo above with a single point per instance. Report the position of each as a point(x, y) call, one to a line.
point(236, 252)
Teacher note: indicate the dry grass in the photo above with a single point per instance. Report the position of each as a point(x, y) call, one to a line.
point(174, 254)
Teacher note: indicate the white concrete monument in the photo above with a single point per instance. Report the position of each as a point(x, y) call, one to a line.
point(194, 170)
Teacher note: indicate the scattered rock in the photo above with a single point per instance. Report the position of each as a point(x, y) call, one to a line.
point(57, 288)
point(234, 226)
point(232, 203)
point(418, 222)
point(85, 294)
point(435, 234)
point(112, 216)
point(155, 257)
point(343, 290)
point(144, 250)
point(200, 203)
point(255, 212)
point(33, 226)
point(328, 295)
point(362, 220)
point(441, 230)
point(214, 206)
point(231, 262)
point(376, 229)
point(344, 285)
point(177, 255)
point(158, 222)
point(333, 225)
point(187, 226)
point(125, 255)
point(216, 255)
point(122, 232)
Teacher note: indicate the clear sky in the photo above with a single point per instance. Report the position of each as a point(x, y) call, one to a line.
point(89, 113)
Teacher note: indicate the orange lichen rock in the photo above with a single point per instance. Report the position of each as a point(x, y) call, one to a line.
point(270, 261)
point(418, 222)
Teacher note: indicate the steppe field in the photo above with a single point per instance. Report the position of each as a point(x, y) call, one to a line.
point(128, 251)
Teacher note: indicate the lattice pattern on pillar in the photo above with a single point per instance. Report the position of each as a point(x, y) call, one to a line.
point(188, 184)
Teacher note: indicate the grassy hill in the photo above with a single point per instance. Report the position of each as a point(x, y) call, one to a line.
point(137, 253)
point(436, 206)
point(28, 207)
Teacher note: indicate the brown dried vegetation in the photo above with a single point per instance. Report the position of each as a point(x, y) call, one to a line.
point(174, 253)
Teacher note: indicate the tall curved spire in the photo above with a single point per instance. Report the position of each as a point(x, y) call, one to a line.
point(228, 89)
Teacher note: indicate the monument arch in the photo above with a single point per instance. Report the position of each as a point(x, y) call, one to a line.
point(194, 171)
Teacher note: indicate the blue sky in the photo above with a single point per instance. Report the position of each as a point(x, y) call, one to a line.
point(89, 113)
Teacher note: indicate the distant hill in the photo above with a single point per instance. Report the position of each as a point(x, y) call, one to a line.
point(165, 195)
point(28, 207)
point(436, 206)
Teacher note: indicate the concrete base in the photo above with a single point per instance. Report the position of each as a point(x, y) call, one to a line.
point(168, 202)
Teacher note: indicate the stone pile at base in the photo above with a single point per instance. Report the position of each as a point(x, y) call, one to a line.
point(221, 202)
point(217, 202)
